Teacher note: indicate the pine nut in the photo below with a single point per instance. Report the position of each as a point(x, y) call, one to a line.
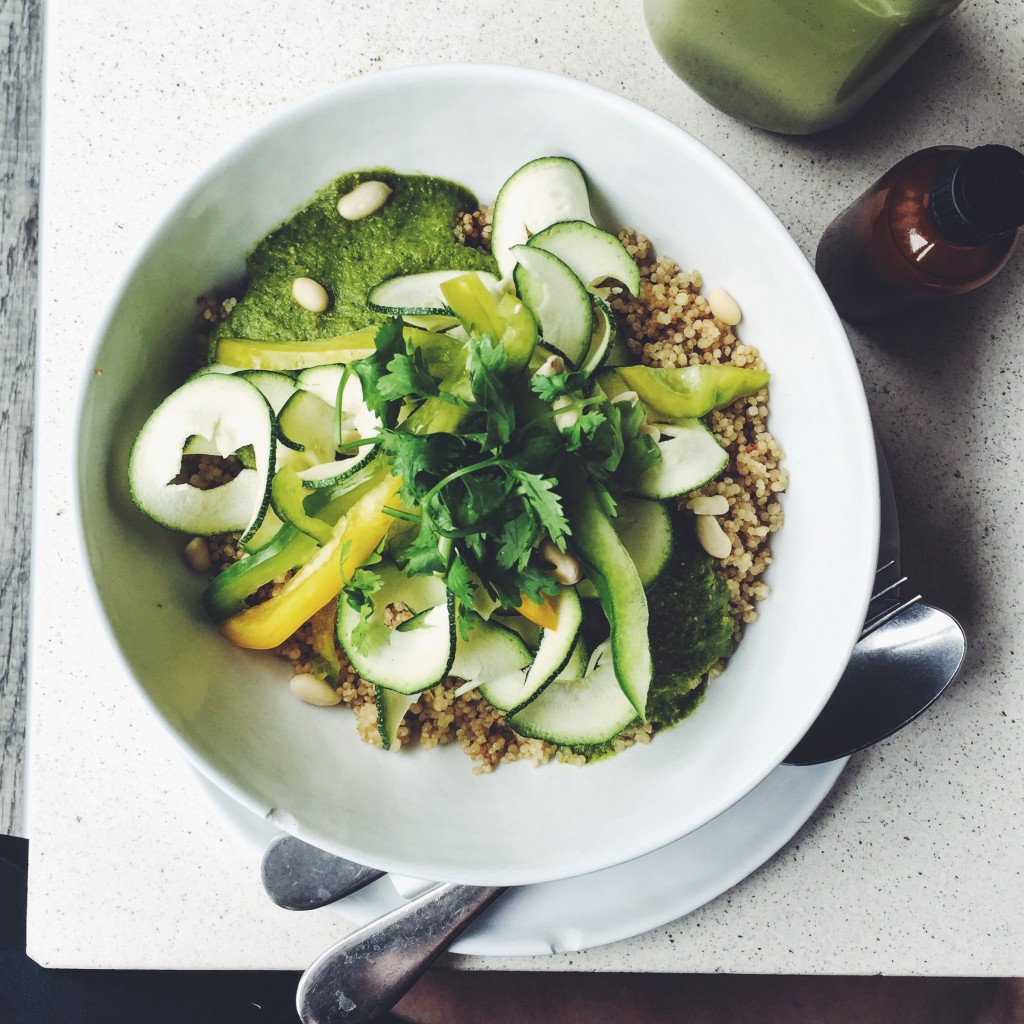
point(566, 568)
point(563, 420)
point(569, 416)
point(197, 554)
point(551, 366)
point(652, 431)
point(309, 294)
point(724, 307)
point(713, 539)
point(363, 200)
point(709, 505)
point(311, 690)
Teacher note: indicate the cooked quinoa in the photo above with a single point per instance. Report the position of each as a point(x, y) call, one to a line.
point(669, 324)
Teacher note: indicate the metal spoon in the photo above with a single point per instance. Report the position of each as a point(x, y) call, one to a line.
point(361, 977)
point(298, 876)
point(894, 674)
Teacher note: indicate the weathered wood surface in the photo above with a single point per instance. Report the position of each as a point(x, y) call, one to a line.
point(20, 87)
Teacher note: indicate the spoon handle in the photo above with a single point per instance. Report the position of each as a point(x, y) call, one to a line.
point(363, 976)
point(298, 876)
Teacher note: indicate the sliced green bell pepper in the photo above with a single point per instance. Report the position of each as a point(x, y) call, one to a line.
point(505, 319)
point(690, 391)
point(288, 498)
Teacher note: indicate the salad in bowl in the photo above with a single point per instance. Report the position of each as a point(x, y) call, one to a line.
point(395, 506)
point(433, 460)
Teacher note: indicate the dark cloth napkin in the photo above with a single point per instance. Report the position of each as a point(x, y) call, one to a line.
point(30, 994)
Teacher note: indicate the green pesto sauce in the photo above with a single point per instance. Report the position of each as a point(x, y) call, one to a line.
point(690, 629)
point(411, 233)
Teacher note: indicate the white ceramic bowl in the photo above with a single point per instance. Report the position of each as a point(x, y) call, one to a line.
point(426, 813)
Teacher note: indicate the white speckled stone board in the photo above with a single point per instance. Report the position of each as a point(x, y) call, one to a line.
point(912, 865)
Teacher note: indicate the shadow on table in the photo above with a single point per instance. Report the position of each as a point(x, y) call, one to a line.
point(954, 375)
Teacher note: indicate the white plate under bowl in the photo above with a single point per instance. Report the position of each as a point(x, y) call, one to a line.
point(425, 813)
point(618, 902)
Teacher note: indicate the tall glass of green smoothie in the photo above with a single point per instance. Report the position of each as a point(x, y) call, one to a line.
point(795, 66)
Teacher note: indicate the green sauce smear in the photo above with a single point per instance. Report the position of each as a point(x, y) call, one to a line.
point(690, 630)
point(690, 627)
point(413, 232)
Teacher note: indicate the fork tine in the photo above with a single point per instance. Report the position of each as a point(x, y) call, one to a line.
point(886, 590)
point(890, 613)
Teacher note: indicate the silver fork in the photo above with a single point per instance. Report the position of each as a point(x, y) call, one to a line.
point(881, 610)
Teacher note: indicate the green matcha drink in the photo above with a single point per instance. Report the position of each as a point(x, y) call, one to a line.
point(794, 66)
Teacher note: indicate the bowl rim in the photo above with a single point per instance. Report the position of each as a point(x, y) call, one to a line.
point(409, 76)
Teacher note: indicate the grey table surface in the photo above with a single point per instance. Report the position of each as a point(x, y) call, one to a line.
point(946, 393)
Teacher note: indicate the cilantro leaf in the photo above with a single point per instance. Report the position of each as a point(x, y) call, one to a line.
point(422, 556)
point(388, 342)
point(546, 504)
point(460, 582)
point(590, 421)
point(534, 583)
point(421, 460)
point(558, 385)
point(488, 363)
point(639, 451)
point(389, 339)
point(407, 378)
point(517, 540)
point(548, 388)
point(536, 449)
point(477, 497)
point(605, 450)
point(358, 592)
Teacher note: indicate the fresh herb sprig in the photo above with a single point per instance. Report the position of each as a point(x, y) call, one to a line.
point(602, 435)
point(480, 498)
point(480, 465)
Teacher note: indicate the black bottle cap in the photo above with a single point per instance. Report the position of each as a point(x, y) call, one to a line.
point(980, 196)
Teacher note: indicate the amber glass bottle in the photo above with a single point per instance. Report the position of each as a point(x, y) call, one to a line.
point(942, 222)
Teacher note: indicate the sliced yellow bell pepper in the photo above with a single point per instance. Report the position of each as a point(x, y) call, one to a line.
point(357, 534)
point(544, 614)
point(345, 348)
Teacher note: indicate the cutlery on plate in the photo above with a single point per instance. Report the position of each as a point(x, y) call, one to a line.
point(298, 876)
point(361, 977)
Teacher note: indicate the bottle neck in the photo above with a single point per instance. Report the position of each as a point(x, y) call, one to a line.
point(979, 197)
point(908, 226)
